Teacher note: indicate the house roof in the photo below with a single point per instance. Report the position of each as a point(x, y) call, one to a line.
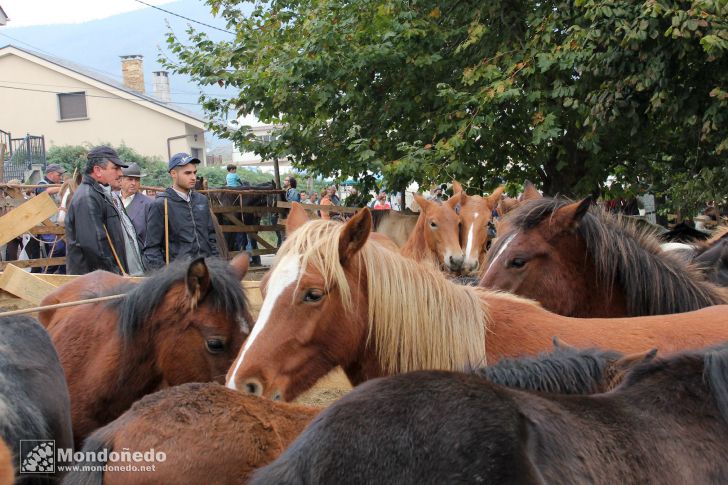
point(106, 83)
point(3, 16)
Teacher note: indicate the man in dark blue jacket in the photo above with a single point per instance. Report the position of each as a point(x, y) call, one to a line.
point(191, 232)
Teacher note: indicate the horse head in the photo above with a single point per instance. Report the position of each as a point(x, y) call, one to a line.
point(476, 215)
point(440, 227)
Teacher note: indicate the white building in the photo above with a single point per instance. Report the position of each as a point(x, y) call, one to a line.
point(252, 161)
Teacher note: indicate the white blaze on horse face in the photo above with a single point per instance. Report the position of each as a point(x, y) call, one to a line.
point(469, 245)
point(283, 276)
point(500, 251)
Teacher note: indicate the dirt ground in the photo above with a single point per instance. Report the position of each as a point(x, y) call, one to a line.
point(327, 390)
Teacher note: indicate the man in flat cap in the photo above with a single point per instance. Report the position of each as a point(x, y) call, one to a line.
point(135, 203)
point(94, 232)
point(190, 230)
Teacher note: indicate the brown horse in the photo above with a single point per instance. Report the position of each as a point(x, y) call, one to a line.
point(476, 216)
point(395, 225)
point(183, 324)
point(580, 261)
point(208, 433)
point(336, 298)
point(7, 470)
point(436, 236)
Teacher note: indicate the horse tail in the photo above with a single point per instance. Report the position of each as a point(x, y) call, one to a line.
point(98, 444)
point(715, 368)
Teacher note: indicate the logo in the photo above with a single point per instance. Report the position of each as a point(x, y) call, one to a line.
point(37, 456)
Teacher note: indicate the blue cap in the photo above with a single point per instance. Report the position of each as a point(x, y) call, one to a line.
point(181, 159)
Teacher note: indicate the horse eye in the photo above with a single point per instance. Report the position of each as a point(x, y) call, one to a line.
point(215, 345)
point(313, 295)
point(517, 263)
point(433, 224)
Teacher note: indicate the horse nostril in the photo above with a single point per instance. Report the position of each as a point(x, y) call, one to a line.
point(252, 386)
point(277, 396)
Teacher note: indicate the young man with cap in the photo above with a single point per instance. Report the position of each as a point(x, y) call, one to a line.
point(190, 230)
point(94, 232)
point(136, 204)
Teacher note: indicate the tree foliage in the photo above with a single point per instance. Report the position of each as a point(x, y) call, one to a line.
point(564, 93)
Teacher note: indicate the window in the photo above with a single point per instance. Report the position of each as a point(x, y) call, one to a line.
point(196, 153)
point(72, 106)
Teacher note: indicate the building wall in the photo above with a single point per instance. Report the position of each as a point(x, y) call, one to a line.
point(110, 119)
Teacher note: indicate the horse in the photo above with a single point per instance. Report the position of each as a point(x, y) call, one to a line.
point(336, 297)
point(580, 261)
point(208, 433)
point(436, 236)
point(184, 323)
point(476, 215)
point(244, 433)
point(711, 256)
point(396, 225)
point(7, 470)
point(34, 402)
point(666, 423)
point(508, 204)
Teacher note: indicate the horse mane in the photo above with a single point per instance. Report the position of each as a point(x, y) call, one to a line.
point(565, 370)
point(417, 318)
point(378, 216)
point(143, 299)
point(654, 282)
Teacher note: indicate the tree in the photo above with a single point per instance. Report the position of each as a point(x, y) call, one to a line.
point(561, 92)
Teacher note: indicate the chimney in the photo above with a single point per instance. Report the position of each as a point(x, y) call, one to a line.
point(132, 70)
point(160, 86)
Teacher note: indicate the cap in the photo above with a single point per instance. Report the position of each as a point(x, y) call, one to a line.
point(133, 170)
point(106, 153)
point(54, 167)
point(181, 159)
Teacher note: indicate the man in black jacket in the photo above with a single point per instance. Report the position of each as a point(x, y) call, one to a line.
point(94, 234)
point(191, 230)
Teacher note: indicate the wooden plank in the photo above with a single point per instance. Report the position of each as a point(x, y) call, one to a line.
point(57, 279)
point(34, 263)
point(24, 285)
point(313, 207)
point(218, 209)
point(247, 228)
point(28, 215)
point(54, 229)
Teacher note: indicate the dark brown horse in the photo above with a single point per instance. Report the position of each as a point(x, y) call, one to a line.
point(243, 433)
point(34, 402)
point(580, 261)
point(666, 423)
point(183, 324)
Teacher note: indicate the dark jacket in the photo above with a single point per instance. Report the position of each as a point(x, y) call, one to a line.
point(137, 212)
point(88, 248)
point(191, 230)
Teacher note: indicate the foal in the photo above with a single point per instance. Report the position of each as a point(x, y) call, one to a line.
point(666, 423)
point(185, 323)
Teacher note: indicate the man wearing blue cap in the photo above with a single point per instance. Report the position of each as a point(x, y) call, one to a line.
point(179, 222)
point(94, 232)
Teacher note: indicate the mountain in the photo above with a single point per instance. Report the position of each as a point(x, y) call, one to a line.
point(99, 43)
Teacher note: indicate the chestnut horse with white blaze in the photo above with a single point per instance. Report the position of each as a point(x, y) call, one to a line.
point(336, 297)
point(476, 214)
point(185, 323)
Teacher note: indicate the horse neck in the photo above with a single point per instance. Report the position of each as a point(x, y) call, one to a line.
point(520, 327)
point(416, 246)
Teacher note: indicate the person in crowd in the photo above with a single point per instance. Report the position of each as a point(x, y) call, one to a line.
point(135, 202)
point(53, 245)
point(232, 179)
point(290, 184)
point(179, 219)
point(94, 233)
point(382, 203)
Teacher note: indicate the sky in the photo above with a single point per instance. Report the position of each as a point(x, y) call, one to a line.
point(24, 13)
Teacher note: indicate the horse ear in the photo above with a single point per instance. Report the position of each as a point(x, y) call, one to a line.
point(495, 198)
point(296, 218)
point(456, 200)
point(354, 235)
point(422, 202)
point(456, 187)
point(570, 215)
point(627, 361)
point(561, 345)
point(530, 192)
point(198, 281)
point(240, 264)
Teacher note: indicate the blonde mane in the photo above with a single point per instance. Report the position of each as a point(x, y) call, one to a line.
point(417, 318)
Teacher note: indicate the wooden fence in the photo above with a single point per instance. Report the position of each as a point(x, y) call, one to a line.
point(23, 213)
